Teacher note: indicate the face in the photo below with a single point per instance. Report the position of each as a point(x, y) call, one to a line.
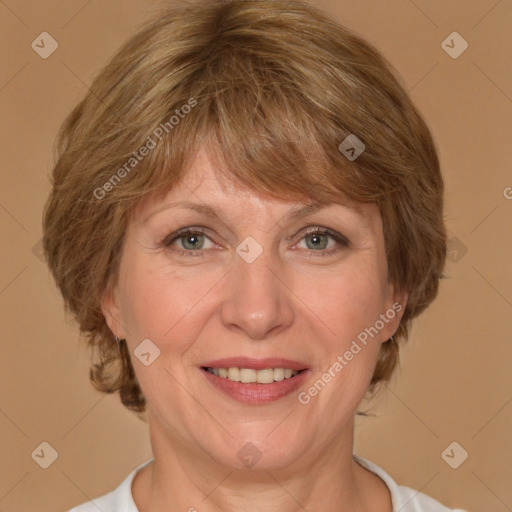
point(257, 291)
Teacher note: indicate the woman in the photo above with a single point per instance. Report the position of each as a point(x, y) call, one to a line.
point(246, 216)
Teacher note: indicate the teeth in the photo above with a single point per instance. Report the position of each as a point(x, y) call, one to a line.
point(278, 374)
point(234, 374)
point(265, 376)
point(249, 375)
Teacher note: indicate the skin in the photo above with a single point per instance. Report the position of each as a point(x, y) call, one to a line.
point(290, 302)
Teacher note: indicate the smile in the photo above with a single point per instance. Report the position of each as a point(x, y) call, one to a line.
point(250, 375)
point(255, 386)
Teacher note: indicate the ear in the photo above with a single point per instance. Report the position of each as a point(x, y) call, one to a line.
point(394, 308)
point(111, 309)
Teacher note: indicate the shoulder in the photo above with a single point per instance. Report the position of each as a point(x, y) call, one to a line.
point(404, 498)
point(415, 501)
point(120, 499)
point(104, 503)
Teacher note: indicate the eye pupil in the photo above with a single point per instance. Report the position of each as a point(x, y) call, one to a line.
point(316, 239)
point(188, 238)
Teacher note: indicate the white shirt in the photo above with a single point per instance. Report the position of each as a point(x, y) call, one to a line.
point(404, 499)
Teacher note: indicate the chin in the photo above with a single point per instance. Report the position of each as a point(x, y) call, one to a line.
point(270, 447)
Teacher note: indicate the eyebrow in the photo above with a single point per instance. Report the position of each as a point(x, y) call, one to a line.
point(210, 211)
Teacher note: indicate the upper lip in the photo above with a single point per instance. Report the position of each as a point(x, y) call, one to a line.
point(255, 364)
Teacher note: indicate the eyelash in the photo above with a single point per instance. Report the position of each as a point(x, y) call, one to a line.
point(170, 239)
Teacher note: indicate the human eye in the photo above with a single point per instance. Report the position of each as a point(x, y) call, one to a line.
point(192, 241)
point(317, 241)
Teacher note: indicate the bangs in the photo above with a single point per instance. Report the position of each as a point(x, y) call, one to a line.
point(259, 131)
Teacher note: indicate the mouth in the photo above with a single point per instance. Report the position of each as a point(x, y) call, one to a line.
point(251, 375)
point(252, 381)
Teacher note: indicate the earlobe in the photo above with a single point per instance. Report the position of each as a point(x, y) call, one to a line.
point(395, 308)
point(397, 300)
point(400, 303)
point(112, 312)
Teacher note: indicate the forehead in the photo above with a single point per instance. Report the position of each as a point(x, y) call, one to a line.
point(204, 189)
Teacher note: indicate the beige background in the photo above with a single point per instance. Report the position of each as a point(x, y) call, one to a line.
point(455, 380)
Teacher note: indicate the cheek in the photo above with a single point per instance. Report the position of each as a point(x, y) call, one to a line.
point(145, 298)
point(351, 301)
point(350, 305)
point(159, 303)
point(157, 306)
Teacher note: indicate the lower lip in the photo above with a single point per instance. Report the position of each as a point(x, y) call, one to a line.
point(255, 393)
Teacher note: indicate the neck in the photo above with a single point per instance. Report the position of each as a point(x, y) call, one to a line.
point(184, 477)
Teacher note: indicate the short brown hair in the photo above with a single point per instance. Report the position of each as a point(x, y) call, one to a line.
point(271, 88)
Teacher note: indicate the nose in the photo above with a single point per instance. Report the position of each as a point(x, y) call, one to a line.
point(257, 299)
